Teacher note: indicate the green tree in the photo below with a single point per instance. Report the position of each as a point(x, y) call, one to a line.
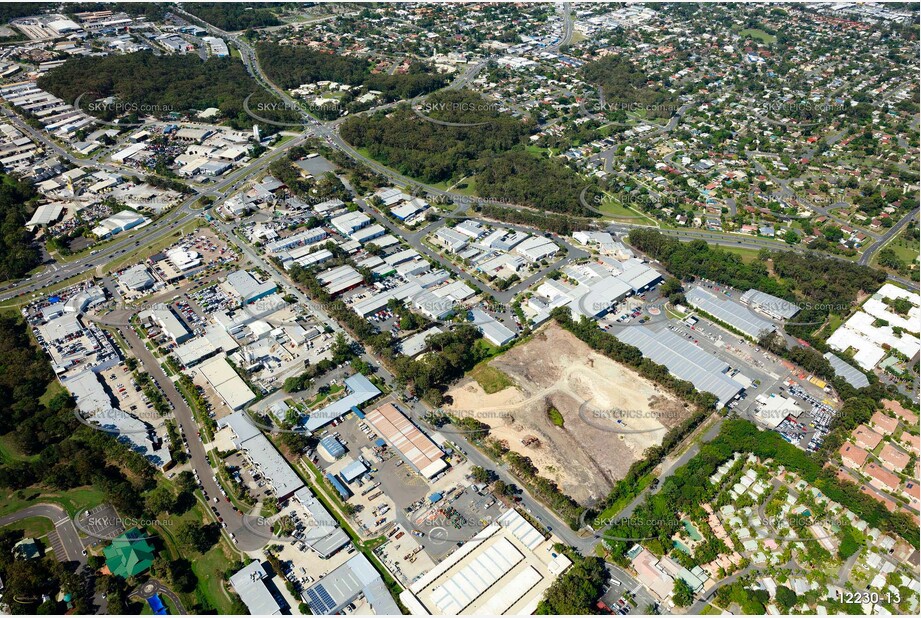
point(682, 593)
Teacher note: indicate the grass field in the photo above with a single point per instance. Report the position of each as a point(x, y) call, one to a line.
point(761, 35)
point(32, 526)
point(748, 255)
point(491, 379)
point(73, 500)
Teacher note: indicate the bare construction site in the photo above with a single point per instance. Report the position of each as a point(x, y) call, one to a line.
point(582, 418)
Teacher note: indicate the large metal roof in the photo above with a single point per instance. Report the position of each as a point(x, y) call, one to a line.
point(684, 360)
point(730, 312)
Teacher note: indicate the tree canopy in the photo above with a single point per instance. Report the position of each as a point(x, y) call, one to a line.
point(18, 255)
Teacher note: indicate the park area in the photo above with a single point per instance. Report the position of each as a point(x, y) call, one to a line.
point(581, 418)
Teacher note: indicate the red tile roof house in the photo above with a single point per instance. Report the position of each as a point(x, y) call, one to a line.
point(881, 478)
point(899, 410)
point(853, 456)
point(894, 459)
point(913, 442)
point(866, 437)
point(883, 424)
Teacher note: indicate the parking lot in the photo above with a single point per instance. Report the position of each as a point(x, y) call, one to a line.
point(101, 524)
point(809, 430)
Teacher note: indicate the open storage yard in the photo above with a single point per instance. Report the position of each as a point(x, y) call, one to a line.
point(610, 415)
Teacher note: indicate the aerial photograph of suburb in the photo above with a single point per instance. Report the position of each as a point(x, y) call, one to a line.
point(451, 307)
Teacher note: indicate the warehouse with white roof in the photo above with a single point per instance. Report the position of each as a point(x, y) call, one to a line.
point(730, 312)
point(503, 570)
point(230, 386)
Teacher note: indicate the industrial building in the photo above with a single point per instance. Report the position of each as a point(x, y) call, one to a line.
point(536, 248)
point(684, 360)
point(167, 321)
point(415, 344)
point(225, 381)
point(322, 534)
point(119, 222)
point(340, 279)
point(503, 570)
point(257, 591)
point(848, 373)
point(348, 582)
point(246, 288)
point(45, 215)
point(493, 330)
point(416, 448)
point(277, 472)
point(730, 313)
point(350, 222)
point(215, 339)
point(770, 305)
point(360, 390)
point(331, 449)
point(771, 411)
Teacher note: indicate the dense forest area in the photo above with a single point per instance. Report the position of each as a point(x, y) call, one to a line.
point(821, 285)
point(231, 16)
point(490, 147)
point(18, 254)
point(163, 84)
point(626, 88)
point(290, 66)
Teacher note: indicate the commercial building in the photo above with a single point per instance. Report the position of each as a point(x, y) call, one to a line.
point(136, 278)
point(730, 312)
point(348, 582)
point(119, 222)
point(129, 554)
point(225, 381)
point(416, 448)
point(503, 570)
point(770, 305)
point(257, 591)
point(684, 360)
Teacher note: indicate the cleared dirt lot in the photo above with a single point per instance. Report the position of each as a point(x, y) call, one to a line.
point(610, 414)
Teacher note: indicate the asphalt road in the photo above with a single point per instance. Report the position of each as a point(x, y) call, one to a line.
point(63, 525)
point(246, 538)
